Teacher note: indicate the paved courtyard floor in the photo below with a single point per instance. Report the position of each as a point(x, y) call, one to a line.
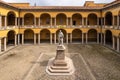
point(28, 62)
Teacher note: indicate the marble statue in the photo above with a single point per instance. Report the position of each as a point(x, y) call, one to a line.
point(60, 37)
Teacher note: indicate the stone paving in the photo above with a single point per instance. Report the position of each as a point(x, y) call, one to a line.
point(92, 62)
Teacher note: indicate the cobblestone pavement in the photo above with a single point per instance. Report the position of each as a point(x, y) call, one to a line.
point(21, 63)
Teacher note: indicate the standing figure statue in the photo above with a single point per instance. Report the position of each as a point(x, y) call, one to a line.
point(60, 37)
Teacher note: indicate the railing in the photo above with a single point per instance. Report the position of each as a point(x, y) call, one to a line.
point(111, 27)
point(108, 27)
point(77, 26)
point(60, 26)
point(27, 26)
point(8, 27)
point(93, 26)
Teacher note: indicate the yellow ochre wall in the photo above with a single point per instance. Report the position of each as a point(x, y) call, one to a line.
point(4, 11)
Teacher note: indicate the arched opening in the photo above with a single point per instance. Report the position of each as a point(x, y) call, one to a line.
point(29, 19)
point(92, 19)
point(61, 19)
point(76, 19)
point(77, 35)
point(29, 36)
point(45, 36)
point(11, 37)
point(108, 39)
point(64, 32)
point(11, 18)
point(45, 19)
point(92, 35)
point(108, 18)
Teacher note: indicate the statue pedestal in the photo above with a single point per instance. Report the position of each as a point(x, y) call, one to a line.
point(60, 65)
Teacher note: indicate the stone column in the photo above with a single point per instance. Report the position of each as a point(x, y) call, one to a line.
point(55, 38)
point(34, 38)
point(15, 40)
point(39, 38)
point(55, 21)
point(104, 39)
point(0, 46)
point(22, 39)
point(82, 38)
point(66, 21)
point(51, 38)
point(67, 38)
point(118, 44)
point(39, 22)
point(71, 21)
point(118, 21)
point(113, 42)
point(70, 37)
point(97, 38)
point(83, 21)
point(18, 39)
point(86, 38)
point(51, 22)
point(5, 22)
point(101, 21)
point(98, 21)
point(5, 44)
point(16, 21)
point(113, 21)
point(86, 21)
point(23, 21)
point(34, 21)
point(0, 20)
point(104, 21)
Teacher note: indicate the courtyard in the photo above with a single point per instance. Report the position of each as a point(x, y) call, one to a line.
point(28, 62)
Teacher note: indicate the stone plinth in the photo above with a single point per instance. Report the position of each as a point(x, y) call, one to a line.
point(60, 65)
point(60, 56)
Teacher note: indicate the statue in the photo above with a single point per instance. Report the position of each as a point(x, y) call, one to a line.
point(60, 37)
point(60, 64)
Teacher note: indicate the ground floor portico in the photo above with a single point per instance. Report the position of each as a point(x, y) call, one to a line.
point(106, 37)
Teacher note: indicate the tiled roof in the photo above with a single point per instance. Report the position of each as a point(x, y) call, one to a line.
point(59, 7)
point(2, 2)
point(112, 3)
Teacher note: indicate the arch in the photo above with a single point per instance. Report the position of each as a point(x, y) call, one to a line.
point(77, 35)
point(29, 36)
point(45, 36)
point(76, 19)
point(11, 37)
point(108, 18)
point(45, 19)
point(28, 19)
point(61, 19)
point(64, 32)
point(11, 18)
point(108, 39)
point(92, 35)
point(92, 19)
